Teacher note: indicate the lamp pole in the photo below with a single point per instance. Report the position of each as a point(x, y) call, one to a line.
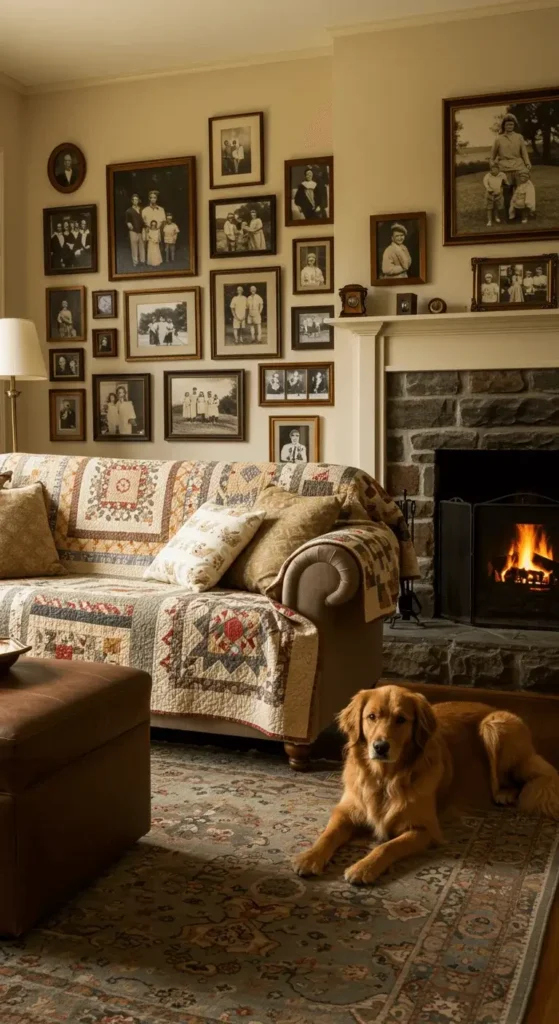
point(12, 394)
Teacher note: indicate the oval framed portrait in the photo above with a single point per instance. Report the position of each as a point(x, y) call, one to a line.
point(66, 168)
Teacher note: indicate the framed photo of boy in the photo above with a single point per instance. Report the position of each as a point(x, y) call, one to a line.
point(243, 227)
point(152, 218)
point(245, 313)
point(67, 415)
point(163, 324)
point(121, 406)
point(309, 329)
point(66, 168)
point(501, 168)
point(105, 342)
point(66, 314)
point(294, 439)
point(66, 364)
point(204, 405)
point(527, 282)
point(313, 265)
point(104, 304)
point(236, 150)
point(398, 248)
point(70, 240)
point(309, 191)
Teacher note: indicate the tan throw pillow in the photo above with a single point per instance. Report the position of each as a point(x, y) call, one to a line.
point(291, 520)
point(26, 543)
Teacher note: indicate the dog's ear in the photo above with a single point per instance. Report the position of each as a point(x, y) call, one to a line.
point(425, 722)
point(349, 720)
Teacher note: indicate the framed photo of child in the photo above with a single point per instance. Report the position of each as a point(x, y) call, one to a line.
point(501, 167)
point(398, 249)
point(204, 405)
point(527, 282)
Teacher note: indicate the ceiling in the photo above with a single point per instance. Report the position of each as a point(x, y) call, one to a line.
point(43, 42)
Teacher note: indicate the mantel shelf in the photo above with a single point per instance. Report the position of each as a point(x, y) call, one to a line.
point(497, 322)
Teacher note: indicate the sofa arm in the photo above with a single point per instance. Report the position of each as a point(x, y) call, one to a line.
point(324, 574)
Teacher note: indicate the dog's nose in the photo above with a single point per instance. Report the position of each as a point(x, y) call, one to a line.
point(381, 747)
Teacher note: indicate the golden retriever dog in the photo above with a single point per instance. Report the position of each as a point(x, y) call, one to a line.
point(406, 760)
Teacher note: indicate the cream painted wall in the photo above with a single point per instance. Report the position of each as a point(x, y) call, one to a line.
point(13, 228)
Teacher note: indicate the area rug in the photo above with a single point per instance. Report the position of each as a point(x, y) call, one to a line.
point(204, 921)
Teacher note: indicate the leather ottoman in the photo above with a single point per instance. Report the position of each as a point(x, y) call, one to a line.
point(74, 779)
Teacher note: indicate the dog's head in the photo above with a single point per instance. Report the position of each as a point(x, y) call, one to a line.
point(390, 723)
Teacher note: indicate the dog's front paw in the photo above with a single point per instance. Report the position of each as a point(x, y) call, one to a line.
point(506, 796)
point(362, 873)
point(309, 863)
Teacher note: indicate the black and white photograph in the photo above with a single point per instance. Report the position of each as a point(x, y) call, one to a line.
point(236, 150)
point(70, 240)
point(294, 439)
point(527, 282)
point(204, 405)
point(243, 227)
point(501, 167)
point(104, 304)
point(105, 342)
point(65, 312)
point(67, 415)
point(121, 406)
point(152, 218)
point(245, 313)
point(309, 329)
point(274, 384)
point(313, 265)
point(398, 248)
point(66, 364)
point(296, 384)
point(309, 191)
point(319, 384)
point(66, 168)
point(163, 324)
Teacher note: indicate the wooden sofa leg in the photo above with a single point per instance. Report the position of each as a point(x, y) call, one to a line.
point(298, 755)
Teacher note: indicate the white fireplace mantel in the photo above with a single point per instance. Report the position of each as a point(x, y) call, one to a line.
point(507, 340)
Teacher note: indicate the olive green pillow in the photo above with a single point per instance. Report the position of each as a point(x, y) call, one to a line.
point(26, 542)
point(290, 520)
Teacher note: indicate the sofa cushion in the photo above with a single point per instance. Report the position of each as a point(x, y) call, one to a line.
point(26, 543)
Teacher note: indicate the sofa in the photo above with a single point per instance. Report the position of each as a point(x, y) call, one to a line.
point(222, 661)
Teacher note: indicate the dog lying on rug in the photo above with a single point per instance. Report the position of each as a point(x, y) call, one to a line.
point(404, 759)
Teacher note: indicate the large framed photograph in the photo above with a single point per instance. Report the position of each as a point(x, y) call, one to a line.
point(294, 439)
point(105, 342)
point(398, 248)
point(66, 316)
point(204, 405)
point(66, 168)
point(296, 383)
point(245, 313)
point(66, 364)
point(237, 150)
point(152, 218)
point(313, 265)
point(309, 329)
point(309, 191)
point(67, 415)
point(121, 406)
point(163, 324)
point(501, 167)
point(243, 227)
point(104, 304)
point(70, 240)
point(527, 282)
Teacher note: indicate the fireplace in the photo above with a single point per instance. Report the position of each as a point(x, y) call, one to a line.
point(497, 538)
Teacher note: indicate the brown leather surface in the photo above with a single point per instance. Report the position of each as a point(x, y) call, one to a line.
point(53, 712)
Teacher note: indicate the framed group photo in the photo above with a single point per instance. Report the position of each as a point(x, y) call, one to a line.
point(527, 282)
point(121, 406)
point(294, 439)
point(296, 383)
point(309, 191)
point(66, 168)
point(236, 150)
point(245, 313)
point(313, 265)
point(67, 415)
point(66, 315)
point(204, 405)
point(163, 324)
point(398, 248)
point(152, 218)
point(70, 240)
point(309, 329)
point(66, 364)
point(243, 227)
point(105, 342)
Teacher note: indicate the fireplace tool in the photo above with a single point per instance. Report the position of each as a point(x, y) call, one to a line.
point(409, 605)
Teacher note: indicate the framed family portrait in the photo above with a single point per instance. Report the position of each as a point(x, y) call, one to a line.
point(501, 167)
point(313, 265)
point(294, 439)
point(296, 383)
point(105, 304)
point(309, 191)
point(66, 167)
point(243, 227)
point(152, 218)
point(67, 415)
point(66, 364)
point(121, 406)
point(66, 317)
point(528, 282)
point(398, 248)
point(245, 313)
point(206, 405)
point(163, 324)
point(70, 240)
point(237, 150)
point(309, 329)
point(105, 342)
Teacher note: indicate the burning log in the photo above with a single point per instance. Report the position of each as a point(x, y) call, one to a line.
point(546, 563)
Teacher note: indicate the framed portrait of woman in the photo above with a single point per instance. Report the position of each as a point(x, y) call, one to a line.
point(65, 313)
point(501, 167)
point(309, 191)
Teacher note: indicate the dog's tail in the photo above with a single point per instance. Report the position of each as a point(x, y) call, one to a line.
point(513, 763)
point(540, 792)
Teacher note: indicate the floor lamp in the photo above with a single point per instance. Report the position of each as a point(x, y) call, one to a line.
point(20, 356)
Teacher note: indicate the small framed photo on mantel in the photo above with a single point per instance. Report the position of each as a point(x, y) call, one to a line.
point(524, 283)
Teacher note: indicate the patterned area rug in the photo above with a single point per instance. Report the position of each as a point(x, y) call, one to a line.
point(205, 922)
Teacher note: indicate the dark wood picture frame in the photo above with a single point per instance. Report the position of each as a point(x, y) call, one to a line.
point(79, 394)
point(313, 421)
point(166, 354)
point(328, 242)
point(378, 219)
point(170, 375)
point(114, 304)
point(296, 313)
point(56, 353)
point(533, 301)
point(96, 339)
point(187, 162)
point(307, 161)
point(96, 380)
point(243, 253)
point(57, 181)
point(257, 180)
point(248, 273)
point(286, 367)
point(83, 311)
point(90, 210)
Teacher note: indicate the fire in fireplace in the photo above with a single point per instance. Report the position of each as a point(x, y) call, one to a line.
point(529, 562)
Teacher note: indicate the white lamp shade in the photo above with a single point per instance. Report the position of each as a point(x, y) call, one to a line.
point(20, 350)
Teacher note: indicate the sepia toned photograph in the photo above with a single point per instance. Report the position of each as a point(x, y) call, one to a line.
point(67, 415)
point(65, 311)
point(70, 240)
point(294, 439)
point(309, 329)
point(313, 265)
point(163, 324)
point(309, 191)
point(66, 364)
point(526, 283)
point(105, 342)
point(204, 405)
point(236, 150)
point(121, 406)
point(398, 248)
point(104, 304)
point(245, 313)
point(66, 167)
point(296, 383)
point(243, 227)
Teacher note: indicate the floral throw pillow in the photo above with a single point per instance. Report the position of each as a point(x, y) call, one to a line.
point(205, 546)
